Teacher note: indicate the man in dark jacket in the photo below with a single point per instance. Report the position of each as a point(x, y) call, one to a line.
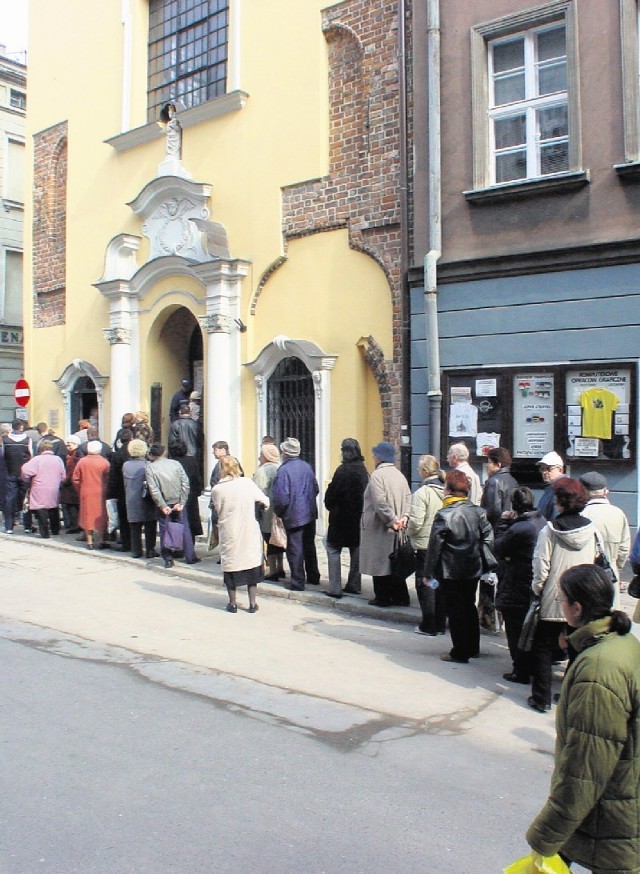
point(496, 495)
point(293, 498)
point(17, 449)
point(459, 553)
point(551, 467)
point(187, 430)
point(92, 434)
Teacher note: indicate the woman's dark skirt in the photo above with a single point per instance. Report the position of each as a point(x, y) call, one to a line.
point(251, 577)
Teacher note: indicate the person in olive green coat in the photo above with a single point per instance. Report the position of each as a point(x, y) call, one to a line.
point(592, 815)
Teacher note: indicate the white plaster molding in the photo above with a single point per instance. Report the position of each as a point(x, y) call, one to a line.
point(120, 260)
point(215, 323)
point(66, 381)
point(313, 357)
point(164, 188)
point(146, 133)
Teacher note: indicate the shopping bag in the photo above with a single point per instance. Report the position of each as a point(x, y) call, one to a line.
point(278, 533)
point(529, 626)
point(173, 534)
point(113, 517)
point(546, 865)
point(403, 558)
point(214, 538)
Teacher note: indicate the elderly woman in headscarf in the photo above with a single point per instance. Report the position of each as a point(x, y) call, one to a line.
point(90, 479)
point(344, 499)
point(263, 478)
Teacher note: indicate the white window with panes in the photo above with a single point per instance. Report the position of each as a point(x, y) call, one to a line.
point(528, 109)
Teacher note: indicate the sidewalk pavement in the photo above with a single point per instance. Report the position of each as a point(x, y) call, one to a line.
point(209, 572)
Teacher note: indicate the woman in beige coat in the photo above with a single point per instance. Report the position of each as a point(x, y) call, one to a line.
point(234, 499)
point(387, 503)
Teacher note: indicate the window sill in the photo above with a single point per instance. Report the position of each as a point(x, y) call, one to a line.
point(10, 204)
point(629, 170)
point(231, 102)
point(528, 187)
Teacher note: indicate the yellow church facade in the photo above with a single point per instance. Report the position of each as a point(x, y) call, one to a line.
point(214, 197)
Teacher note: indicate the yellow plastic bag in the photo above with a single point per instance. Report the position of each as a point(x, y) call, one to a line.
point(542, 865)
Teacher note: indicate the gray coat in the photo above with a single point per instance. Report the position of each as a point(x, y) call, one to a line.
point(387, 498)
point(138, 508)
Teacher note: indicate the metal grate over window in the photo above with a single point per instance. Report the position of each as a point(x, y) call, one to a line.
point(187, 52)
point(291, 406)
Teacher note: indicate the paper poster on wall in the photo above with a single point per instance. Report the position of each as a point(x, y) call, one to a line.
point(463, 420)
point(533, 395)
point(585, 447)
point(460, 394)
point(485, 441)
point(486, 388)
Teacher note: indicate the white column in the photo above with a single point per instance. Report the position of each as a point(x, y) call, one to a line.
point(122, 400)
point(322, 385)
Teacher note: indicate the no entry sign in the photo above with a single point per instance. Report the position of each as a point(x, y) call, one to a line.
point(22, 393)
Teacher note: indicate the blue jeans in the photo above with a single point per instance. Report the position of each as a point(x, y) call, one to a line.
point(14, 496)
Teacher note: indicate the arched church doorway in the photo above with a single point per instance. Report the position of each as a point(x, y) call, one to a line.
point(84, 402)
point(291, 406)
point(181, 356)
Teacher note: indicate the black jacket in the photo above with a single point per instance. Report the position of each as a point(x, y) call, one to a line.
point(515, 541)
point(17, 450)
point(496, 497)
point(344, 499)
point(461, 542)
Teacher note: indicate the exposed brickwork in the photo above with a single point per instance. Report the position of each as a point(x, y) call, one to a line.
point(387, 380)
point(49, 226)
point(361, 190)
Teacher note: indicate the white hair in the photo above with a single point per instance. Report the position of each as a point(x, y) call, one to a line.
point(459, 450)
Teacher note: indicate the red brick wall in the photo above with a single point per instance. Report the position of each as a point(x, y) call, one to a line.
point(49, 226)
point(361, 191)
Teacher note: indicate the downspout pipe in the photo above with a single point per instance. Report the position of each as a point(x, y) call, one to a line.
point(430, 267)
point(405, 442)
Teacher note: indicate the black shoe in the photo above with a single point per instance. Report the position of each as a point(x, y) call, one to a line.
point(556, 697)
point(195, 560)
point(313, 582)
point(375, 603)
point(331, 595)
point(535, 705)
point(104, 545)
point(347, 591)
point(168, 562)
point(272, 578)
point(136, 555)
point(231, 608)
point(82, 537)
point(401, 603)
point(253, 609)
point(293, 588)
point(73, 530)
point(512, 677)
point(152, 553)
point(447, 657)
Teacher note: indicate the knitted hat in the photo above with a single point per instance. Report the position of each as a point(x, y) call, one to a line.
point(270, 452)
point(290, 447)
point(385, 451)
point(73, 439)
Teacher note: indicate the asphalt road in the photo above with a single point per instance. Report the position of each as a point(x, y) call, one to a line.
point(144, 729)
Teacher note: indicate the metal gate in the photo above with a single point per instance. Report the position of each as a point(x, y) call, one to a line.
point(291, 406)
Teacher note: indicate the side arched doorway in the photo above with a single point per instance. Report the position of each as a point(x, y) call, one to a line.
point(291, 406)
point(84, 400)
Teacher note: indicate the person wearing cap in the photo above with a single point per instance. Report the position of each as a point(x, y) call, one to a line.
point(610, 521)
point(294, 498)
point(458, 459)
point(182, 396)
point(386, 508)
point(551, 468)
point(344, 500)
point(195, 405)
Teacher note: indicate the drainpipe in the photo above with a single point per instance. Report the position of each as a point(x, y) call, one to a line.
point(405, 319)
point(434, 390)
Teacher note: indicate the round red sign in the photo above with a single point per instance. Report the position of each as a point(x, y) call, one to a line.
point(22, 393)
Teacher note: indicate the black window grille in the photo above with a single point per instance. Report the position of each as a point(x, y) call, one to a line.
point(187, 52)
point(291, 406)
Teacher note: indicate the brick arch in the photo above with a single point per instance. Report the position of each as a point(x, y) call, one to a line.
point(386, 375)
